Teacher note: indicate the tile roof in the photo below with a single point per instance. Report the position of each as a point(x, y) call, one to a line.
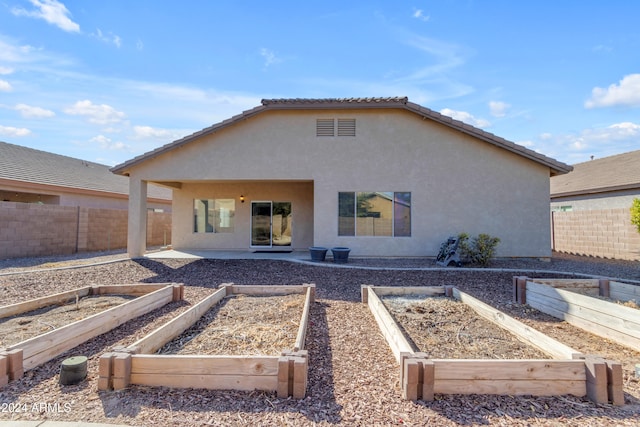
point(555, 166)
point(619, 172)
point(23, 164)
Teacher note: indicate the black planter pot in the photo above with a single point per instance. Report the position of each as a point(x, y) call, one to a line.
point(317, 253)
point(340, 255)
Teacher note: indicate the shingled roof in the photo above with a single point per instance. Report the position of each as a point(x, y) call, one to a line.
point(613, 173)
point(555, 166)
point(23, 164)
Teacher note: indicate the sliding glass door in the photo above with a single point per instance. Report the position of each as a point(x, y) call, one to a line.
point(270, 224)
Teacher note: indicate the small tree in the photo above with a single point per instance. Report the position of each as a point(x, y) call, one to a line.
point(635, 213)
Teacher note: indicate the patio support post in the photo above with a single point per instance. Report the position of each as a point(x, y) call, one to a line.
point(137, 227)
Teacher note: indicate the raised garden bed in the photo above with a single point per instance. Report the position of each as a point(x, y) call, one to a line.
point(21, 356)
point(140, 364)
point(575, 301)
point(566, 371)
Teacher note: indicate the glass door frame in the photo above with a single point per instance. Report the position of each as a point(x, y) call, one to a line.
point(256, 222)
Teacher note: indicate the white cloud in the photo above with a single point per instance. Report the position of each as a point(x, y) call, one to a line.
point(52, 11)
point(625, 93)
point(419, 14)
point(5, 86)
point(5, 70)
point(28, 111)
point(139, 45)
point(12, 131)
point(148, 132)
point(107, 144)
point(465, 117)
point(269, 56)
point(498, 108)
point(99, 114)
point(108, 38)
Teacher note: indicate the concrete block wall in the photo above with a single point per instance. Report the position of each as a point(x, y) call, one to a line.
point(606, 233)
point(28, 229)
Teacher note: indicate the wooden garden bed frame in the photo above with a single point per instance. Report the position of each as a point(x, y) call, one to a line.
point(557, 297)
point(567, 372)
point(25, 355)
point(137, 364)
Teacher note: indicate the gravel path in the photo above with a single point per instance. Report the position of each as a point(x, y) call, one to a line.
point(353, 377)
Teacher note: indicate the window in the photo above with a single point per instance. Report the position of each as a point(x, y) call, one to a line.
point(213, 215)
point(382, 213)
point(327, 127)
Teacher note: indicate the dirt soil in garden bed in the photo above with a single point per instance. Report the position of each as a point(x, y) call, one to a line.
point(243, 325)
point(445, 328)
point(27, 325)
point(353, 376)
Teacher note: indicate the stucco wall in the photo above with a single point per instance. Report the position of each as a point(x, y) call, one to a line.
point(606, 233)
point(300, 194)
point(609, 200)
point(38, 230)
point(457, 182)
point(34, 193)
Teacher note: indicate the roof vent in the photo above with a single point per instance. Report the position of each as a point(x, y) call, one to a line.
point(325, 127)
point(346, 127)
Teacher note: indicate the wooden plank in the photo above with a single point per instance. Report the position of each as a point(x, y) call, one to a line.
point(594, 305)
point(268, 289)
point(596, 377)
point(511, 387)
point(550, 346)
point(121, 371)
point(519, 289)
point(615, 385)
point(388, 326)
point(211, 382)
point(411, 379)
point(509, 369)
point(304, 320)
point(282, 388)
point(159, 337)
point(428, 380)
point(138, 289)
point(15, 364)
point(178, 364)
point(42, 348)
point(624, 292)
point(408, 290)
point(300, 369)
point(609, 320)
point(4, 370)
point(105, 371)
point(569, 283)
point(34, 304)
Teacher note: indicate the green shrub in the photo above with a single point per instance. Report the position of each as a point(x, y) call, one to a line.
point(479, 250)
point(635, 213)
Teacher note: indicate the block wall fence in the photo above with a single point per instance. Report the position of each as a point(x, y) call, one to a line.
point(606, 233)
point(28, 229)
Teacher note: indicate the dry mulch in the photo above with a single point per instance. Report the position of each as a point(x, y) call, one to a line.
point(444, 328)
point(21, 327)
point(353, 377)
point(243, 325)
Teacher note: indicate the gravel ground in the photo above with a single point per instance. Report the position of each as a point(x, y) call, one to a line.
point(353, 377)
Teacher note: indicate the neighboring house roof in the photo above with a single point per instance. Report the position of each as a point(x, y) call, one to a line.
point(614, 173)
point(555, 166)
point(27, 165)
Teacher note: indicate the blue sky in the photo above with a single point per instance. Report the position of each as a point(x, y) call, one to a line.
point(106, 81)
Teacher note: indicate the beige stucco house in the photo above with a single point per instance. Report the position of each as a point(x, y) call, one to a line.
point(382, 176)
